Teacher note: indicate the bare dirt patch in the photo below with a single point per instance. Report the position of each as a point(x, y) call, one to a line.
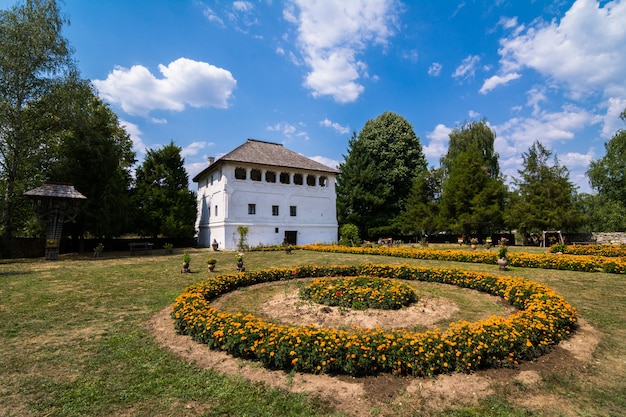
point(382, 395)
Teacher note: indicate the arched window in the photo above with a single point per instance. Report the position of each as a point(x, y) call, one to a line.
point(284, 178)
point(297, 179)
point(270, 176)
point(240, 173)
point(323, 181)
point(310, 180)
point(255, 175)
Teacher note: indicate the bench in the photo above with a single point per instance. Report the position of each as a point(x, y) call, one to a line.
point(145, 247)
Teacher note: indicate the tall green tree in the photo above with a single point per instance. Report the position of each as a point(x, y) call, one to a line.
point(421, 214)
point(377, 174)
point(92, 151)
point(32, 53)
point(473, 191)
point(475, 135)
point(165, 204)
point(607, 176)
point(544, 197)
point(470, 194)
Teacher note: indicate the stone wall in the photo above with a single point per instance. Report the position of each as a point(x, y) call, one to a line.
point(605, 238)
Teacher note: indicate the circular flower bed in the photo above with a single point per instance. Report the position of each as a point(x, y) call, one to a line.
point(359, 293)
point(543, 320)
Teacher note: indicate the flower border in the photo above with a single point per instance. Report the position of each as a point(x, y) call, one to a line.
point(583, 263)
point(544, 318)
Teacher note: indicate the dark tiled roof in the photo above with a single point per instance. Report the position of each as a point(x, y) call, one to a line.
point(55, 190)
point(267, 153)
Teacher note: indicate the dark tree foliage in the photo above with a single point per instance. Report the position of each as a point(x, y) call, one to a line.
point(470, 194)
point(544, 198)
point(93, 152)
point(472, 188)
point(602, 215)
point(377, 174)
point(164, 202)
point(32, 53)
point(477, 135)
point(421, 215)
point(607, 176)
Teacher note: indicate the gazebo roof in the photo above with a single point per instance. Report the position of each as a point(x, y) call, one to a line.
point(55, 190)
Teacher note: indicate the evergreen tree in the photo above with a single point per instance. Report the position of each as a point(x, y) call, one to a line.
point(377, 174)
point(164, 202)
point(472, 189)
point(421, 215)
point(544, 198)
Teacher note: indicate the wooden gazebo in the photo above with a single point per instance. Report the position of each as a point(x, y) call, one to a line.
point(55, 204)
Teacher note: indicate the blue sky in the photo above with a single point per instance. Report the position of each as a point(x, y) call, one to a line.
point(207, 75)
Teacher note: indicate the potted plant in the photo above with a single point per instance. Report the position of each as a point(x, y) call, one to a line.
point(186, 262)
point(474, 242)
point(168, 247)
point(211, 263)
point(97, 251)
point(502, 251)
point(239, 258)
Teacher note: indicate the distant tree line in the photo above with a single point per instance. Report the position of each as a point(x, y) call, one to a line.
point(54, 127)
point(386, 190)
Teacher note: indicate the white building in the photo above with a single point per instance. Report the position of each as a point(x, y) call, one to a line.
point(279, 195)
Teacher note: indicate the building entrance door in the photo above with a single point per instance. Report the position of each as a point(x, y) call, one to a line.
point(291, 237)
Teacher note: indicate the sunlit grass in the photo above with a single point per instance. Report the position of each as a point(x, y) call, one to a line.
point(73, 340)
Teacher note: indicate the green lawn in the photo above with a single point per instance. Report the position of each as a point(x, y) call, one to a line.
point(74, 342)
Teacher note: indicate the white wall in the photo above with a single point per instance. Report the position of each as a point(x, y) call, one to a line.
point(315, 220)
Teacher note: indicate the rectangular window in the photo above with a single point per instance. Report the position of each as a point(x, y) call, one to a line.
point(292, 211)
point(251, 208)
point(274, 210)
point(216, 209)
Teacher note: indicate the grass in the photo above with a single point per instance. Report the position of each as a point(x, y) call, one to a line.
point(74, 342)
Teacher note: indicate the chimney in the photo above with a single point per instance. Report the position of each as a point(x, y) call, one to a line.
point(211, 160)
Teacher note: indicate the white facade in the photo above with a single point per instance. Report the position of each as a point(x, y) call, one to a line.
point(276, 203)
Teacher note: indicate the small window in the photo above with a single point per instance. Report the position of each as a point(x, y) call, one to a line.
point(284, 178)
point(270, 176)
point(255, 175)
point(323, 181)
point(216, 210)
point(251, 208)
point(240, 173)
point(297, 179)
point(310, 180)
point(292, 211)
point(212, 178)
point(274, 210)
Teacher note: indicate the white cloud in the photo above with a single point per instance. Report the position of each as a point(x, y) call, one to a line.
point(473, 114)
point(192, 149)
point(213, 17)
point(288, 130)
point(339, 128)
point(438, 145)
point(584, 51)
point(435, 69)
point(243, 6)
point(612, 121)
point(467, 69)
point(496, 80)
point(185, 82)
point(331, 35)
point(550, 128)
point(325, 161)
point(135, 135)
